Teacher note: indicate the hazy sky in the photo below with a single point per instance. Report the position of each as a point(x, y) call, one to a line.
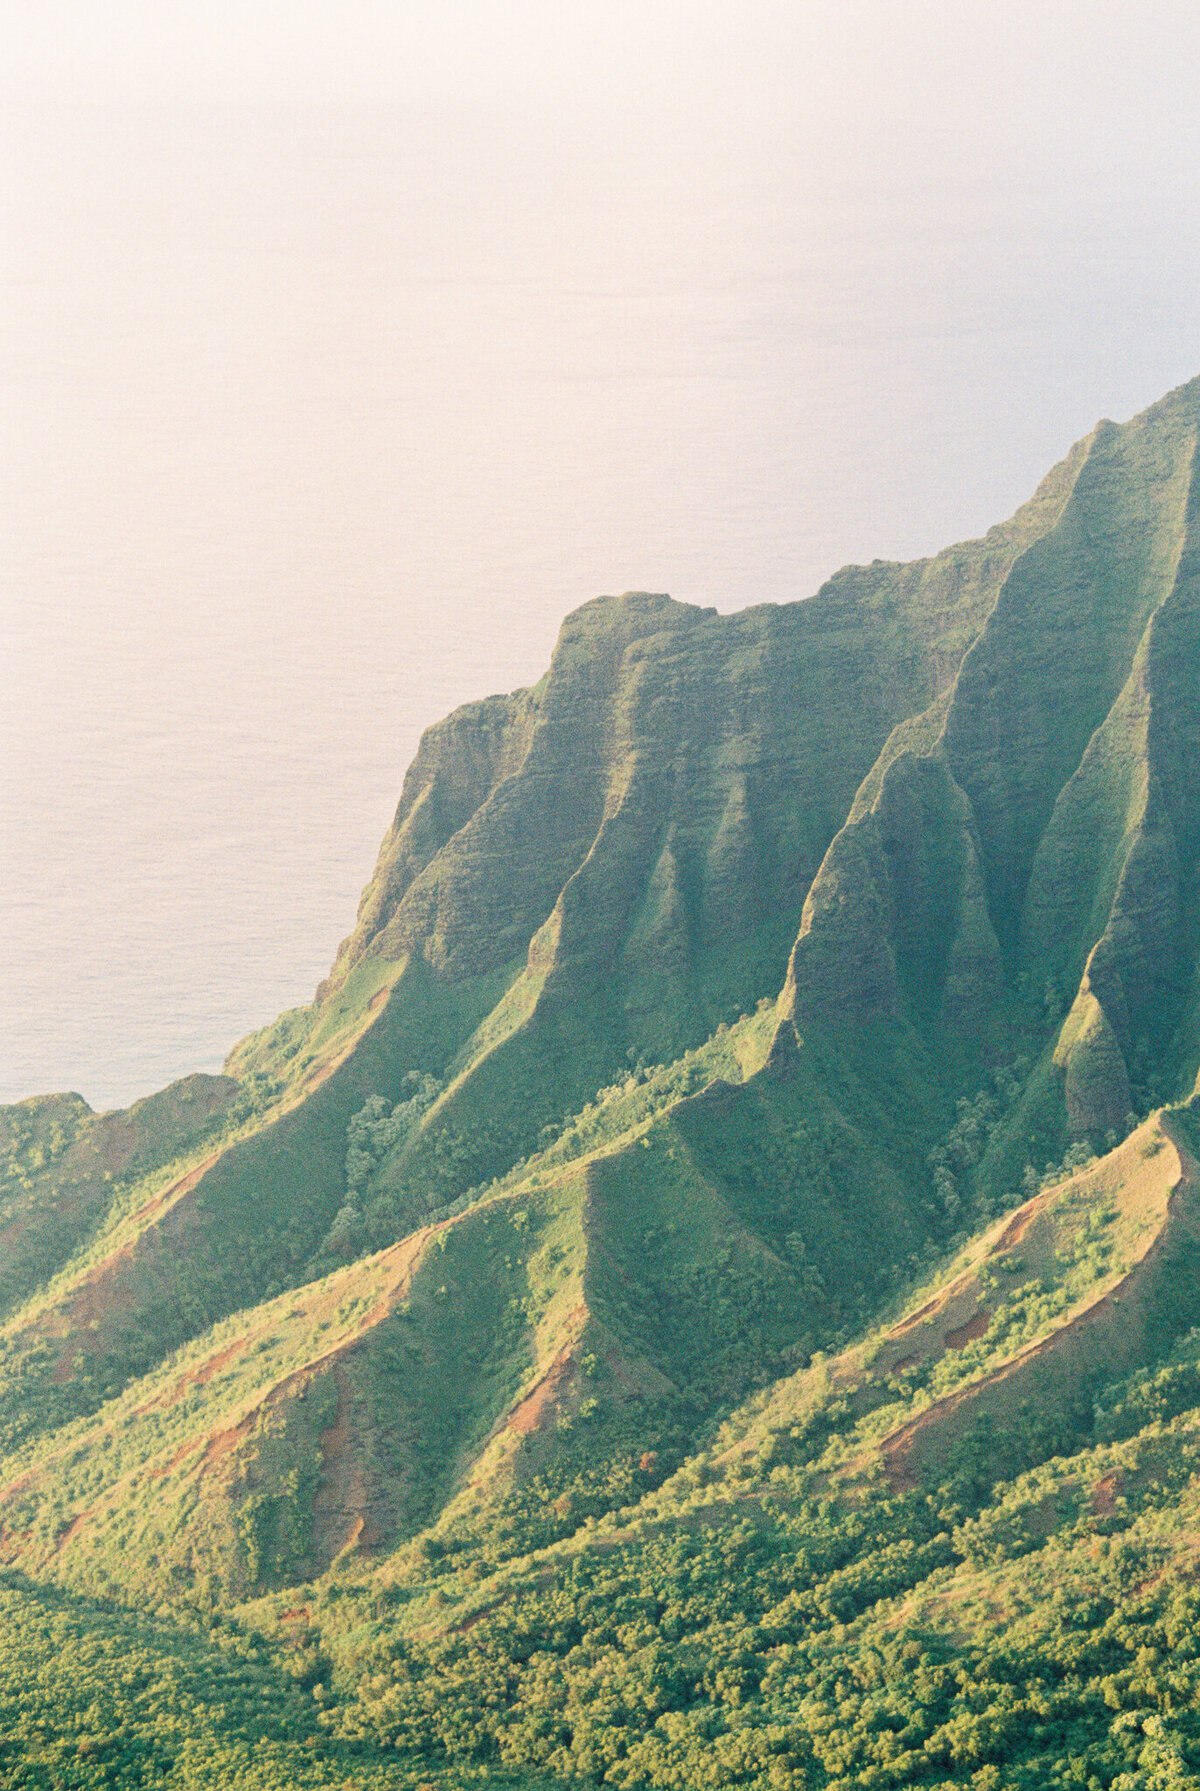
point(959, 67)
point(345, 349)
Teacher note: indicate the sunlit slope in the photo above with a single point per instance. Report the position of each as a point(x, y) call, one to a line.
point(1095, 1276)
point(63, 1168)
point(670, 1250)
point(819, 1594)
point(704, 995)
point(264, 1449)
point(595, 872)
point(225, 1198)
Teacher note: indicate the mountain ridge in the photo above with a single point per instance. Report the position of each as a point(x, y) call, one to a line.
point(707, 999)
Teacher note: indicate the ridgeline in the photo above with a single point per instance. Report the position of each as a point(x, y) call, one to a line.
point(708, 1293)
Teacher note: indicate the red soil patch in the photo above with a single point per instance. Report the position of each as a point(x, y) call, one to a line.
point(977, 1324)
point(1016, 1228)
point(220, 1443)
point(1070, 1343)
point(526, 1416)
point(897, 1467)
point(968, 1333)
point(344, 1503)
point(335, 1438)
point(1105, 1493)
point(105, 1291)
point(915, 1318)
point(199, 1377)
point(183, 1184)
point(315, 1078)
point(93, 1300)
point(184, 1450)
point(930, 1310)
point(342, 1516)
point(404, 1255)
point(323, 1070)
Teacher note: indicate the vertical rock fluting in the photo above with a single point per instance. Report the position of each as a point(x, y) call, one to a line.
point(1070, 759)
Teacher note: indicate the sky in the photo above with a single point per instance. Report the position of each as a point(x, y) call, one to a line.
point(346, 350)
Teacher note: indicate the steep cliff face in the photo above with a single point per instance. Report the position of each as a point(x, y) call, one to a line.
point(732, 743)
point(700, 994)
point(1061, 850)
point(647, 825)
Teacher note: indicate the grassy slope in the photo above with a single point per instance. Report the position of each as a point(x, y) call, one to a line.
point(59, 1162)
point(796, 1606)
point(658, 898)
point(961, 795)
point(668, 1251)
point(246, 1211)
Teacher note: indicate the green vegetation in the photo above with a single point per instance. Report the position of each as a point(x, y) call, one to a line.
point(707, 1294)
point(92, 1695)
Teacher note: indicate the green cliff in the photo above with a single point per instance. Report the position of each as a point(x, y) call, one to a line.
point(732, 1195)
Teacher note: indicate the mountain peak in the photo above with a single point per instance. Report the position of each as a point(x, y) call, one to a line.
point(734, 1194)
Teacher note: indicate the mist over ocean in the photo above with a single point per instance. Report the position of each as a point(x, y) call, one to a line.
point(318, 419)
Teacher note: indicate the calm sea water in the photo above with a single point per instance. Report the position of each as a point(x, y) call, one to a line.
point(317, 424)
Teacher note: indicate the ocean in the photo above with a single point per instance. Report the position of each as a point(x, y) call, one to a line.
point(317, 422)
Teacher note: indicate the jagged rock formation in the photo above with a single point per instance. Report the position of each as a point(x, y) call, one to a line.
point(659, 1054)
